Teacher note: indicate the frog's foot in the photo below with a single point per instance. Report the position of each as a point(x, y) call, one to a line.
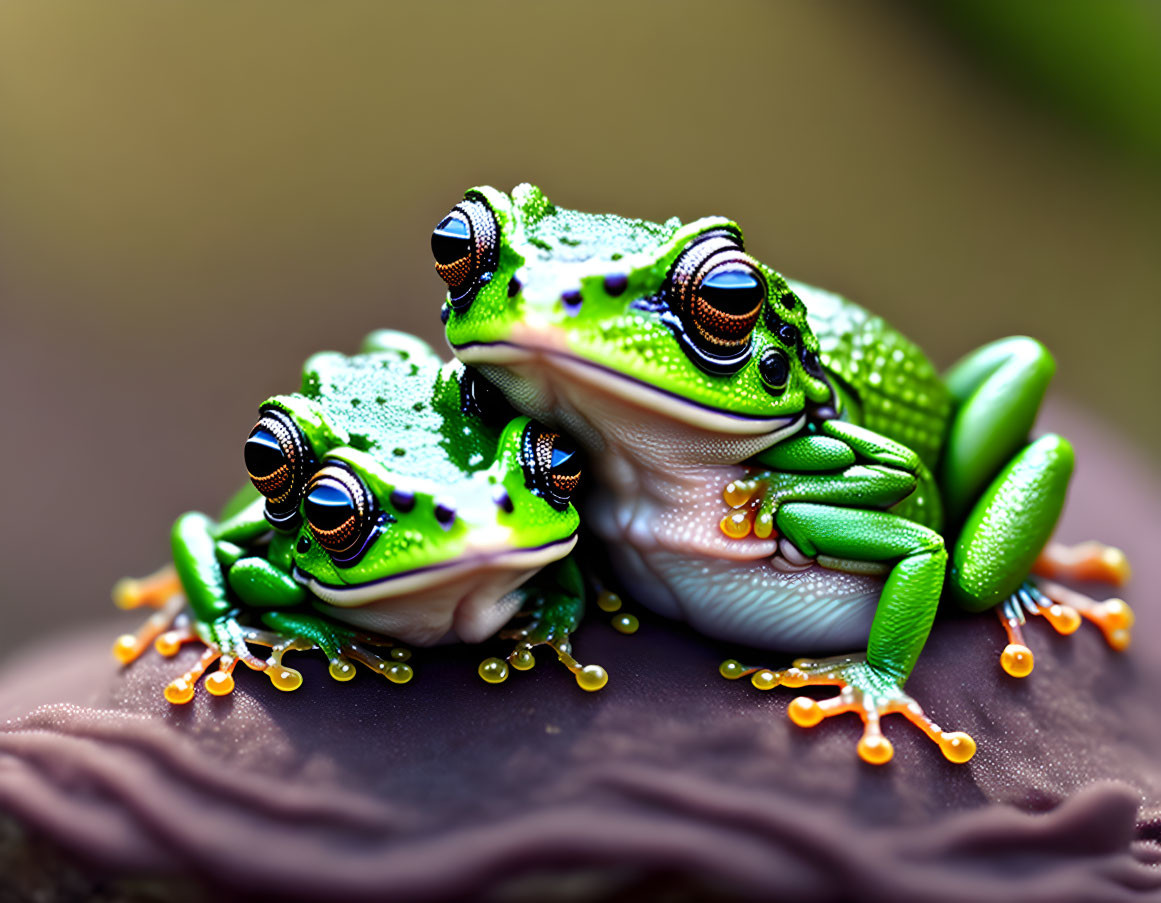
point(153, 591)
point(864, 690)
point(341, 645)
point(1063, 608)
point(129, 646)
point(547, 625)
point(1084, 561)
point(225, 642)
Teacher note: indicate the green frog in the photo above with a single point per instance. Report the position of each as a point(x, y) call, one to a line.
point(393, 496)
point(773, 463)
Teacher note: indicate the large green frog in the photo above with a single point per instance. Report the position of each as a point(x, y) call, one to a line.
point(394, 496)
point(858, 483)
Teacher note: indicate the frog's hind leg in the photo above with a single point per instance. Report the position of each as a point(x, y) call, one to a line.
point(997, 390)
point(551, 611)
point(1001, 544)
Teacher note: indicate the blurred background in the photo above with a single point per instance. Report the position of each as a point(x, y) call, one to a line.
point(194, 196)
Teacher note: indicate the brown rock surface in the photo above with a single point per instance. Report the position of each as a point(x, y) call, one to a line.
point(669, 778)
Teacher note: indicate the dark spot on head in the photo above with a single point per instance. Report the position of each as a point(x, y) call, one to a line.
point(572, 301)
point(402, 500)
point(616, 283)
point(789, 300)
point(413, 370)
point(379, 399)
point(514, 287)
point(445, 514)
point(355, 402)
point(503, 500)
point(810, 363)
point(774, 368)
point(616, 255)
point(398, 452)
point(788, 334)
point(418, 406)
point(445, 314)
point(303, 545)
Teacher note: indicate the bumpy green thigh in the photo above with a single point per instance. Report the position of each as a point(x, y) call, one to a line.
point(1010, 524)
point(911, 593)
point(997, 390)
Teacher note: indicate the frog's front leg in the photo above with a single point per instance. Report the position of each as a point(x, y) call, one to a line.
point(552, 608)
point(299, 632)
point(871, 684)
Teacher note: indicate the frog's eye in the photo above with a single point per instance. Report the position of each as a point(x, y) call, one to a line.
point(718, 293)
point(774, 368)
point(278, 459)
point(552, 465)
point(465, 245)
point(340, 513)
point(481, 399)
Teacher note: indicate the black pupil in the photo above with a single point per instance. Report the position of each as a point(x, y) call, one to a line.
point(263, 453)
point(775, 368)
point(731, 290)
point(451, 240)
point(329, 506)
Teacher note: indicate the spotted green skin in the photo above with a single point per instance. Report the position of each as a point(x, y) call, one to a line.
point(914, 464)
point(395, 414)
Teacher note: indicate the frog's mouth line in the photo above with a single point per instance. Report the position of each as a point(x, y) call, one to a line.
point(425, 578)
point(631, 389)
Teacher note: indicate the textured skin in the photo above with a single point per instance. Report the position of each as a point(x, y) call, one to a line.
point(565, 347)
point(1011, 523)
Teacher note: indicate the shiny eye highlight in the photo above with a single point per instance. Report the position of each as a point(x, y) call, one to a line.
point(465, 245)
point(552, 465)
point(340, 513)
point(718, 292)
point(278, 460)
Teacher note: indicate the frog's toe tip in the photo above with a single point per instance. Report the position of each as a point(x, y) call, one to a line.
point(1117, 564)
point(220, 683)
point(126, 593)
point(876, 749)
point(493, 670)
point(957, 746)
point(805, 712)
point(284, 678)
point(179, 691)
point(592, 678)
point(1017, 660)
point(125, 648)
point(341, 670)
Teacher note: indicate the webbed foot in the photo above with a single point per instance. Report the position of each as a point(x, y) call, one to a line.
point(342, 646)
point(549, 621)
point(1063, 608)
point(867, 692)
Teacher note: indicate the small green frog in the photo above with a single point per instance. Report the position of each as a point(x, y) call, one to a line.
point(773, 463)
point(396, 496)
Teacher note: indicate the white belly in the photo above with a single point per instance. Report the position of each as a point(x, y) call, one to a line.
point(801, 611)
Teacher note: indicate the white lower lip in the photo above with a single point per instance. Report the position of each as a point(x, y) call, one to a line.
point(439, 575)
point(629, 389)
